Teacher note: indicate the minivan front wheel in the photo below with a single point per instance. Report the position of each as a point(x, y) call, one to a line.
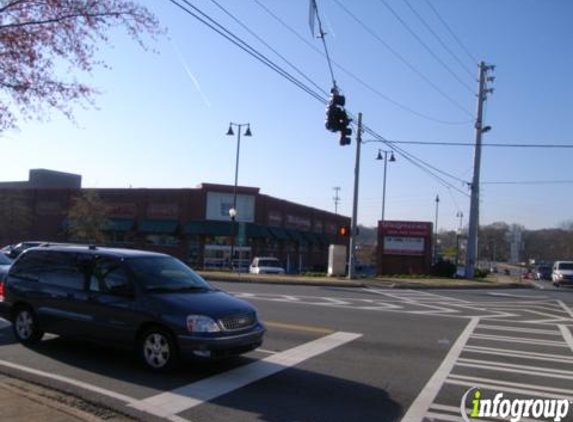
point(158, 350)
point(25, 325)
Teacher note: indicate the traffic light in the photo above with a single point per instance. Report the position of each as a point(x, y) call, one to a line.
point(343, 231)
point(335, 111)
point(345, 130)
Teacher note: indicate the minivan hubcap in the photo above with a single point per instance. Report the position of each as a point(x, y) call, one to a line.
point(24, 325)
point(156, 350)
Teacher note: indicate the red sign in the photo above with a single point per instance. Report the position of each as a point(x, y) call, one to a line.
point(404, 228)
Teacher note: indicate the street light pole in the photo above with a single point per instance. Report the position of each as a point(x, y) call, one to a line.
point(385, 158)
point(233, 211)
point(436, 231)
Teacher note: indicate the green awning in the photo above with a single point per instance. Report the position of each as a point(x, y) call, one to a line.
point(120, 224)
point(279, 233)
point(256, 230)
point(310, 237)
point(158, 226)
point(209, 228)
point(295, 235)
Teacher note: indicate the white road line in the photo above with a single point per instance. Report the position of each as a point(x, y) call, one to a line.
point(515, 371)
point(494, 364)
point(566, 308)
point(566, 335)
point(170, 403)
point(531, 387)
point(521, 391)
point(519, 354)
point(519, 340)
point(420, 407)
point(69, 381)
point(518, 330)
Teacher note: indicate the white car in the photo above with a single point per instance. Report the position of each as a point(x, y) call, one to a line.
point(266, 265)
point(562, 273)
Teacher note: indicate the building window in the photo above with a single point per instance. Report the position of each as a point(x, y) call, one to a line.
point(162, 240)
point(194, 246)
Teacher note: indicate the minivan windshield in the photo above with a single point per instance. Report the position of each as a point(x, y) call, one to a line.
point(566, 266)
point(4, 260)
point(166, 274)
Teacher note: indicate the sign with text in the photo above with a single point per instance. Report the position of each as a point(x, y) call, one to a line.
point(404, 228)
point(394, 245)
point(219, 204)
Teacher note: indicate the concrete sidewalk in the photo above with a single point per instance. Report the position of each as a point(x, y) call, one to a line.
point(22, 401)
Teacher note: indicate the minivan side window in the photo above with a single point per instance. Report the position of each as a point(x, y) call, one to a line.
point(28, 267)
point(61, 269)
point(109, 276)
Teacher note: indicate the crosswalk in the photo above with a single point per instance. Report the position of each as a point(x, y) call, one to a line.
point(521, 361)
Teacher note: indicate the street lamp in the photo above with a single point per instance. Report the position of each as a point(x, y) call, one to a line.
point(233, 210)
point(385, 158)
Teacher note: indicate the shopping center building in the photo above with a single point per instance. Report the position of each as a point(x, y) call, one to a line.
point(192, 223)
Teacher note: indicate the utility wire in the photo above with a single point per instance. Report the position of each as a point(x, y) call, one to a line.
point(403, 60)
point(322, 37)
point(260, 39)
point(469, 144)
point(225, 33)
point(428, 49)
point(356, 78)
point(442, 43)
point(454, 36)
point(212, 24)
point(529, 182)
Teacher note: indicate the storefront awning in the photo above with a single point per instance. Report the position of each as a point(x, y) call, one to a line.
point(256, 230)
point(311, 237)
point(296, 235)
point(119, 224)
point(158, 226)
point(278, 233)
point(209, 228)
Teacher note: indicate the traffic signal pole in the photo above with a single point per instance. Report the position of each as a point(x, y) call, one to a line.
point(354, 223)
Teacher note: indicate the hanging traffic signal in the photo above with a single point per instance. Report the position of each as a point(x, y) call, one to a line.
point(345, 130)
point(335, 111)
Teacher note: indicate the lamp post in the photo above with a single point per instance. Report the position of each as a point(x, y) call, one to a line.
point(385, 158)
point(436, 231)
point(233, 210)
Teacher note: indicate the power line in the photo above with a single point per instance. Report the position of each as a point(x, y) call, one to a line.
point(356, 78)
point(402, 59)
point(322, 34)
point(454, 36)
point(469, 144)
point(428, 49)
point(442, 43)
point(529, 182)
point(215, 26)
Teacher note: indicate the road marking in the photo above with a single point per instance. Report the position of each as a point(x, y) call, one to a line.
point(567, 335)
point(518, 330)
point(522, 340)
point(494, 365)
point(511, 370)
point(531, 387)
point(515, 296)
point(566, 308)
point(184, 398)
point(520, 391)
point(420, 407)
point(67, 380)
point(299, 327)
point(519, 354)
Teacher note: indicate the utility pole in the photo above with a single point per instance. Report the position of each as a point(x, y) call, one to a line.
point(336, 199)
point(474, 201)
point(354, 225)
point(436, 231)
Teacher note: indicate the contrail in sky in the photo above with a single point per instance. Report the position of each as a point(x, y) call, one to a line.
point(190, 74)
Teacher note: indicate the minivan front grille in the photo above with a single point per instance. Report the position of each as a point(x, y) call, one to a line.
point(238, 322)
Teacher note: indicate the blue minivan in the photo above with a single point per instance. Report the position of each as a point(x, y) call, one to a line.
point(137, 298)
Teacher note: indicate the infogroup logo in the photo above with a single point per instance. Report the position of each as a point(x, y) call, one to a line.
point(512, 410)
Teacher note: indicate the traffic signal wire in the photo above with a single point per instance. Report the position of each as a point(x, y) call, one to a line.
point(357, 78)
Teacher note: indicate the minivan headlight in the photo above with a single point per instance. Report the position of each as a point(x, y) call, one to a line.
point(201, 324)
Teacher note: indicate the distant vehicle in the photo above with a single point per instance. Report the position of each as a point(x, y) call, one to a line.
point(543, 272)
point(148, 301)
point(266, 265)
point(562, 273)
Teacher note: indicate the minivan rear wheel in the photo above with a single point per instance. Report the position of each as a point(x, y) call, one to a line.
point(157, 349)
point(25, 325)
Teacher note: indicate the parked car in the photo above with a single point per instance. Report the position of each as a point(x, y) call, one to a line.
point(16, 250)
point(126, 297)
point(5, 264)
point(543, 272)
point(562, 273)
point(266, 265)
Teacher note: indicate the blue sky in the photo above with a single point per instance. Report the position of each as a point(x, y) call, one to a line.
point(162, 116)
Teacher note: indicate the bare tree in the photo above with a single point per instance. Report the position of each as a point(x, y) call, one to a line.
point(38, 37)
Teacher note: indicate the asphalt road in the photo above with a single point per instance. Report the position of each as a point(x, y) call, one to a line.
point(339, 354)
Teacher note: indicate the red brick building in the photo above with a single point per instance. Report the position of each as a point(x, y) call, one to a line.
point(192, 224)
